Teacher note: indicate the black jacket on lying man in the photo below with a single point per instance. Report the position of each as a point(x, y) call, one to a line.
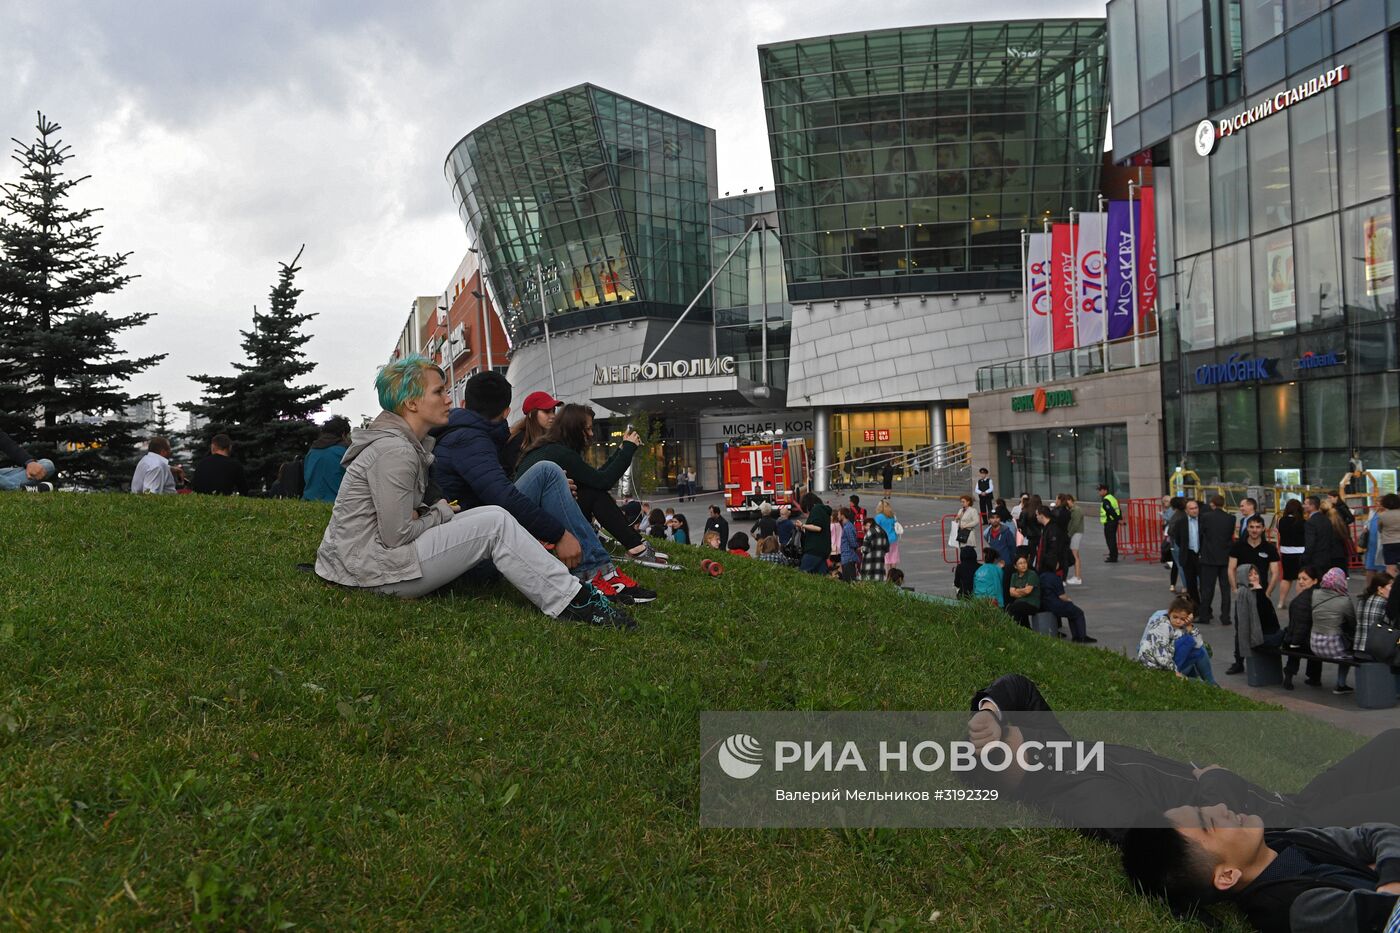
point(1135, 786)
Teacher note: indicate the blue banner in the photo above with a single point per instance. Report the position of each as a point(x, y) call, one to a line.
point(1123, 220)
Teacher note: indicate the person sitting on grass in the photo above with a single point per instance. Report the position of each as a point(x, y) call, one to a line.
point(384, 537)
point(769, 551)
point(1327, 880)
point(468, 468)
point(32, 474)
point(850, 550)
point(1170, 642)
point(321, 469)
point(680, 528)
point(987, 582)
point(564, 443)
point(219, 474)
point(1024, 591)
point(711, 540)
point(1053, 599)
point(739, 543)
point(895, 576)
point(965, 572)
point(153, 474)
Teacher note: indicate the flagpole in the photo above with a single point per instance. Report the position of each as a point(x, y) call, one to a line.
point(1103, 317)
point(1026, 299)
point(1132, 266)
point(1074, 292)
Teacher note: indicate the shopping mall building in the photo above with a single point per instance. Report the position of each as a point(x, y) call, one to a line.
point(854, 303)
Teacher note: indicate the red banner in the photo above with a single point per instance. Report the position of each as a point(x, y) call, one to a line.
point(1062, 287)
point(1147, 264)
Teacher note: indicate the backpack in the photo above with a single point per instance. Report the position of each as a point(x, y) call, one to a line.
point(793, 549)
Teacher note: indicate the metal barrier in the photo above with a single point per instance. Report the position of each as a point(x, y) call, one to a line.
point(1140, 532)
point(941, 469)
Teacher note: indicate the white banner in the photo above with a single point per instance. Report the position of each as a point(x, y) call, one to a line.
point(1037, 292)
point(1091, 273)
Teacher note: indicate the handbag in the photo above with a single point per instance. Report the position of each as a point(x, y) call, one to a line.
point(898, 529)
point(1382, 643)
point(1166, 551)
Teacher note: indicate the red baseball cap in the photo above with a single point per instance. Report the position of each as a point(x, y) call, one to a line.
point(540, 401)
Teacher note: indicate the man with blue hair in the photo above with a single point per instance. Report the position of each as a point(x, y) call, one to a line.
point(385, 537)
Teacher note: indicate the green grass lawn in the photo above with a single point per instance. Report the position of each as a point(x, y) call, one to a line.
point(193, 732)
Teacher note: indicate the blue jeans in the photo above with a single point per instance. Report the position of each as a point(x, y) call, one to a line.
point(811, 563)
point(1200, 669)
point(546, 485)
point(12, 478)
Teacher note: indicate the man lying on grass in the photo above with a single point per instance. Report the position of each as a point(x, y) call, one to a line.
point(384, 537)
point(1324, 880)
point(1136, 785)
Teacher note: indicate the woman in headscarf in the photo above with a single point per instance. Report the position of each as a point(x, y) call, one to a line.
point(1334, 623)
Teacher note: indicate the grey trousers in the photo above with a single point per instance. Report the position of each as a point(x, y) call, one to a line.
point(489, 532)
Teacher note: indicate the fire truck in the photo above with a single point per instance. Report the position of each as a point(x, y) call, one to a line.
point(763, 470)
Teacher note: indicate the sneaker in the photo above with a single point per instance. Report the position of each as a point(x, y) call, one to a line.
point(39, 487)
point(648, 555)
point(634, 591)
point(611, 589)
point(1074, 581)
point(1343, 690)
point(591, 607)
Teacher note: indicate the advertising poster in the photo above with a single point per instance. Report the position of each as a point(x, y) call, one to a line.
point(1279, 271)
point(1091, 282)
point(1122, 261)
point(1061, 288)
point(1289, 478)
point(1147, 263)
point(1385, 482)
point(1037, 293)
point(1379, 243)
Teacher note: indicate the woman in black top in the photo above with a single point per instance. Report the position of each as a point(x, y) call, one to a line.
point(1299, 634)
point(1290, 545)
point(1030, 527)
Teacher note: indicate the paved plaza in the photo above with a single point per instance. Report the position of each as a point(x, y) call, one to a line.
point(1116, 598)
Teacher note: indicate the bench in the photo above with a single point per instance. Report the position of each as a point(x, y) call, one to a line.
point(1376, 681)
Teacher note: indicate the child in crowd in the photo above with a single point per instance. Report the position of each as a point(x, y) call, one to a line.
point(987, 582)
point(965, 573)
point(711, 540)
point(850, 550)
point(770, 551)
point(895, 576)
point(1170, 642)
point(739, 543)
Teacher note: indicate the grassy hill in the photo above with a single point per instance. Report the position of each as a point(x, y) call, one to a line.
point(193, 732)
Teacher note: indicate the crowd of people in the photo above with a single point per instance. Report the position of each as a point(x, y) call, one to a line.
point(1214, 556)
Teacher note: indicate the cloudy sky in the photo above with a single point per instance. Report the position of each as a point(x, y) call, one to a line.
point(221, 136)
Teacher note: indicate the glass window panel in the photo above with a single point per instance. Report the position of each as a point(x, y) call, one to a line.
point(1234, 319)
point(1262, 20)
point(1318, 273)
point(1275, 291)
point(1229, 179)
point(1264, 66)
point(1191, 187)
point(1240, 469)
point(1123, 64)
point(1154, 61)
point(1364, 134)
point(1196, 299)
point(1368, 256)
point(1269, 176)
point(1323, 402)
point(1314, 156)
point(1376, 412)
point(1188, 41)
point(1202, 424)
point(1239, 422)
point(1279, 424)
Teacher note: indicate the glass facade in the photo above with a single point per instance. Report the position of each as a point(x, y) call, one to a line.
point(1278, 246)
point(607, 197)
point(909, 160)
point(1072, 460)
point(751, 289)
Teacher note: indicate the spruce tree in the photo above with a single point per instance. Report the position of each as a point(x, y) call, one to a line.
point(62, 374)
point(268, 418)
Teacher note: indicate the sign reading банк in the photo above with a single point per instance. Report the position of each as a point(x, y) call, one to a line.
point(1040, 400)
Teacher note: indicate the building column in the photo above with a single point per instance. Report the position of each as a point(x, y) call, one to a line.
point(937, 424)
point(822, 454)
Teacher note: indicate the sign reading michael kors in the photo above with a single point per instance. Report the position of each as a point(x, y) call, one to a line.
point(672, 369)
point(1208, 132)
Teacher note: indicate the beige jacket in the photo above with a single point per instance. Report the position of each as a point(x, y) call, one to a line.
point(369, 541)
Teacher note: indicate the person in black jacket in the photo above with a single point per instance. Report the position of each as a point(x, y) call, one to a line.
point(31, 473)
point(1052, 550)
point(219, 474)
point(1309, 879)
point(1184, 531)
point(468, 468)
point(717, 523)
point(1322, 548)
point(1299, 633)
point(1217, 532)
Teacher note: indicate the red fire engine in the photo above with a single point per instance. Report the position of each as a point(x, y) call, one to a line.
point(763, 471)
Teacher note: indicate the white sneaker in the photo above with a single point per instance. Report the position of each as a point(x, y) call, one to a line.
point(1073, 581)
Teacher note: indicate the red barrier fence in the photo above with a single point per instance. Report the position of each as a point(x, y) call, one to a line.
point(1140, 534)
